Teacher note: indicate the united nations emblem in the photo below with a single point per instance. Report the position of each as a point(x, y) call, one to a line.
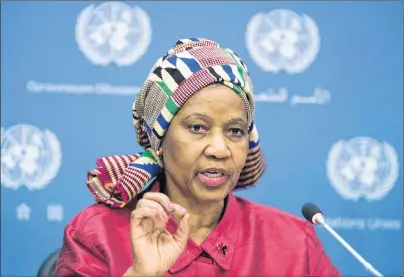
point(29, 157)
point(282, 40)
point(362, 167)
point(113, 32)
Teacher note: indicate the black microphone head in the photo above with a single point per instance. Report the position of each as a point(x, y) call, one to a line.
point(309, 210)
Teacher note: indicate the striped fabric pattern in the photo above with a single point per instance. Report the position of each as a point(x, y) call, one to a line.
point(191, 65)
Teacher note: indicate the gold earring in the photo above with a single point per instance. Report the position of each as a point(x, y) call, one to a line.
point(159, 152)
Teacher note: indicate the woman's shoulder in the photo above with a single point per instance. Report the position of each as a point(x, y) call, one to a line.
point(98, 216)
point(273, 216)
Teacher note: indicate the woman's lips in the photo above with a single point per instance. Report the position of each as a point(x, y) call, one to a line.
point(212, 178)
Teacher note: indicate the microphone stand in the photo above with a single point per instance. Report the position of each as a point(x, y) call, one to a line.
point(320, 220)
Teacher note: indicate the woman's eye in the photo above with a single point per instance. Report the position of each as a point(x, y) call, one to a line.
point(236, 132)
point(197, 128)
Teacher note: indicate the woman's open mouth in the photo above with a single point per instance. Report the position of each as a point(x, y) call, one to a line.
point(213, 177)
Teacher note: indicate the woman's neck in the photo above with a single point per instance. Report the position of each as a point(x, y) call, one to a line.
point(203, 216)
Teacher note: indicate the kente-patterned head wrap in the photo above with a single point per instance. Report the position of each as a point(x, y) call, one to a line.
point(189, 66)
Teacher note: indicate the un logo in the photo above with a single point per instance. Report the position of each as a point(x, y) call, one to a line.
point(282, 40)
point(29, 157)
point(362, 167)
point(113, 32)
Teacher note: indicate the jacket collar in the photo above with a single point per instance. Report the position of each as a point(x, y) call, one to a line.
point(220, 244)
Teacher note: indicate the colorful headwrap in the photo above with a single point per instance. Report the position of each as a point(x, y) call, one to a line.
point(187, 68)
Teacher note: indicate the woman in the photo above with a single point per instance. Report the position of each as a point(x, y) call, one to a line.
point(194, 117)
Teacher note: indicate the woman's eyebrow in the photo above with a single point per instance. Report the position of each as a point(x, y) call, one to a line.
point(238, 120)
point(198, 115)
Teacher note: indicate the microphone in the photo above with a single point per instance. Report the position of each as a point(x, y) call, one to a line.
point(314, 215)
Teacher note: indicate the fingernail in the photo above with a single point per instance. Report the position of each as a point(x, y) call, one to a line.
point(153, 211)
point(182, 210)
point(165, 217)
point(170, 206)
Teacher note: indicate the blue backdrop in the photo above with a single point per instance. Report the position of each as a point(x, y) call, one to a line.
point(328, 84)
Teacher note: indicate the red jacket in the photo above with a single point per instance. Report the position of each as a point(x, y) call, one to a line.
point(250, 240)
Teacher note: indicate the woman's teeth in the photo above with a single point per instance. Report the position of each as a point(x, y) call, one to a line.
point(212, 174)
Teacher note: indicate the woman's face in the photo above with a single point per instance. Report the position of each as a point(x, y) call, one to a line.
point(206, 144)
